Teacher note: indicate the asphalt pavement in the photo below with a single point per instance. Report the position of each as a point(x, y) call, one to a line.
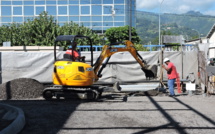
point(119, 114)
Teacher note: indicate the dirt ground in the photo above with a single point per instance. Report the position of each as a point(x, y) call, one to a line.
point(119, 114)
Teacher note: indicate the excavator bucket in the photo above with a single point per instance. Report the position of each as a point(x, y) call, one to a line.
point(150, 71)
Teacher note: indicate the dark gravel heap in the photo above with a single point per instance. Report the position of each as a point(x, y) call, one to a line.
point(20, 89)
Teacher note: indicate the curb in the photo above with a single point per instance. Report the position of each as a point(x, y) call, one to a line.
point(18, 117)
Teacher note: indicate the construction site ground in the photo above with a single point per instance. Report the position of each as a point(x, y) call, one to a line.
point(118, 113)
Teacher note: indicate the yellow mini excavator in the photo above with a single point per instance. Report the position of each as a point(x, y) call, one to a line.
point(77, 78)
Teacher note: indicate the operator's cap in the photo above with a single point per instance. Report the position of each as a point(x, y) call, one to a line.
point(166, 59)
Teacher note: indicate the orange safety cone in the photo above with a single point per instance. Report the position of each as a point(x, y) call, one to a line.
point(178, 83)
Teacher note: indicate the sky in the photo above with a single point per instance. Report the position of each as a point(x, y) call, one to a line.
point(206, 7)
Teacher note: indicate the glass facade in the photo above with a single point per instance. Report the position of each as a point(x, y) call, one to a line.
point(98, 15)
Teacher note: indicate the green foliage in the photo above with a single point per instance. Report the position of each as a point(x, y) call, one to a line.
point(4, 34)
point(148, 25)
point(140, 47)
point(119, 34)
point(42, 31)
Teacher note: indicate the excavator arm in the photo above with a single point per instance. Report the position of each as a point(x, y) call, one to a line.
point(109, 50)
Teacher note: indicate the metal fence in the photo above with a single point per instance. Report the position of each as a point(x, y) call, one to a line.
point(183, 47)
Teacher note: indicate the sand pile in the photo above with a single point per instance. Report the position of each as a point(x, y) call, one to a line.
point(21, 88)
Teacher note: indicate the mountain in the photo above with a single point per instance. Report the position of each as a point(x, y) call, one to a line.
point(194, 13)
point(191, 24)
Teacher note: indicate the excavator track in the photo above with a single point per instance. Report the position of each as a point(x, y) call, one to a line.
point(91, 93)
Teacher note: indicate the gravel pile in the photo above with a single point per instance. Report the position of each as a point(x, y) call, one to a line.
point(20, 89)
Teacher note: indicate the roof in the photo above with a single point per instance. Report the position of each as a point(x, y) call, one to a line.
point(193, 40)
point(211, 32)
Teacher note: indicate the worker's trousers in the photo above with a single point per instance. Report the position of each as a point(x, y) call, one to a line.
point(171, 83)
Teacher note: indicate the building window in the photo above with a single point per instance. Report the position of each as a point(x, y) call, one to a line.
point(6, 2)
point(16, 2)
point(6, 19)
point(96, 2)
point(41, 2)
point(28, 2)
point(39, 9)
point(84, 1)
point(73, 18)
point(85, 10)
point(62, 10)
point(119, 18)
point(6, 10)
point(107, 23)
point(51, 2)
point(61, 2)
point(96, 24)
point(86, 24)
point(96, 28)
point(107, 9)
point(119, 1)
point(62, 18)
point(17, 19)
point(119, 9)
point(73, 2)
point(119, 24)
point(107, 18)
point(17, 10)
point(84, 18)
point(73, 10)
point(29, 10)
point(51, 10)
point(96, 10)
point(96, 18)
point(107, 1)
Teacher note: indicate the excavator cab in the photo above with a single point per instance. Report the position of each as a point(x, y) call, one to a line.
point(69, 72)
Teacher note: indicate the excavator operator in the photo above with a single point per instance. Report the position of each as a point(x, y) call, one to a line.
point(76, 55)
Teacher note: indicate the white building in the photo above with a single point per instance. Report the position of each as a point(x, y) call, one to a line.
point(211, 41)
point(206, 44)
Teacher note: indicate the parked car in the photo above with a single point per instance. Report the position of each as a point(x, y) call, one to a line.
point(211, 62)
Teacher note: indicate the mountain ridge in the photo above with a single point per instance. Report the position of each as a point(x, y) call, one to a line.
point(191, 24)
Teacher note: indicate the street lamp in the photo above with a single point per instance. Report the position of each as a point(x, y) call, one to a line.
point(159, 23)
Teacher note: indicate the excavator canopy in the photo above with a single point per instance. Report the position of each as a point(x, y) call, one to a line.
point(72, 38)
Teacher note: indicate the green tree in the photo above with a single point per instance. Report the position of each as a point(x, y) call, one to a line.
point(74, 29)
point(42, 31)
point(118, 34)
point(140, 47)
point(4, 34)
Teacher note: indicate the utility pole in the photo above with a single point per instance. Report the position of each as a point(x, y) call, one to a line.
point(159, 25)
point(130, 18)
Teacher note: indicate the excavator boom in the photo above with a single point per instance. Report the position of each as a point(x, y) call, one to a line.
point(109, 50)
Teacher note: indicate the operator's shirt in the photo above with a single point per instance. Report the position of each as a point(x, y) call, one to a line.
point(75, 54)
point(172, 73)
